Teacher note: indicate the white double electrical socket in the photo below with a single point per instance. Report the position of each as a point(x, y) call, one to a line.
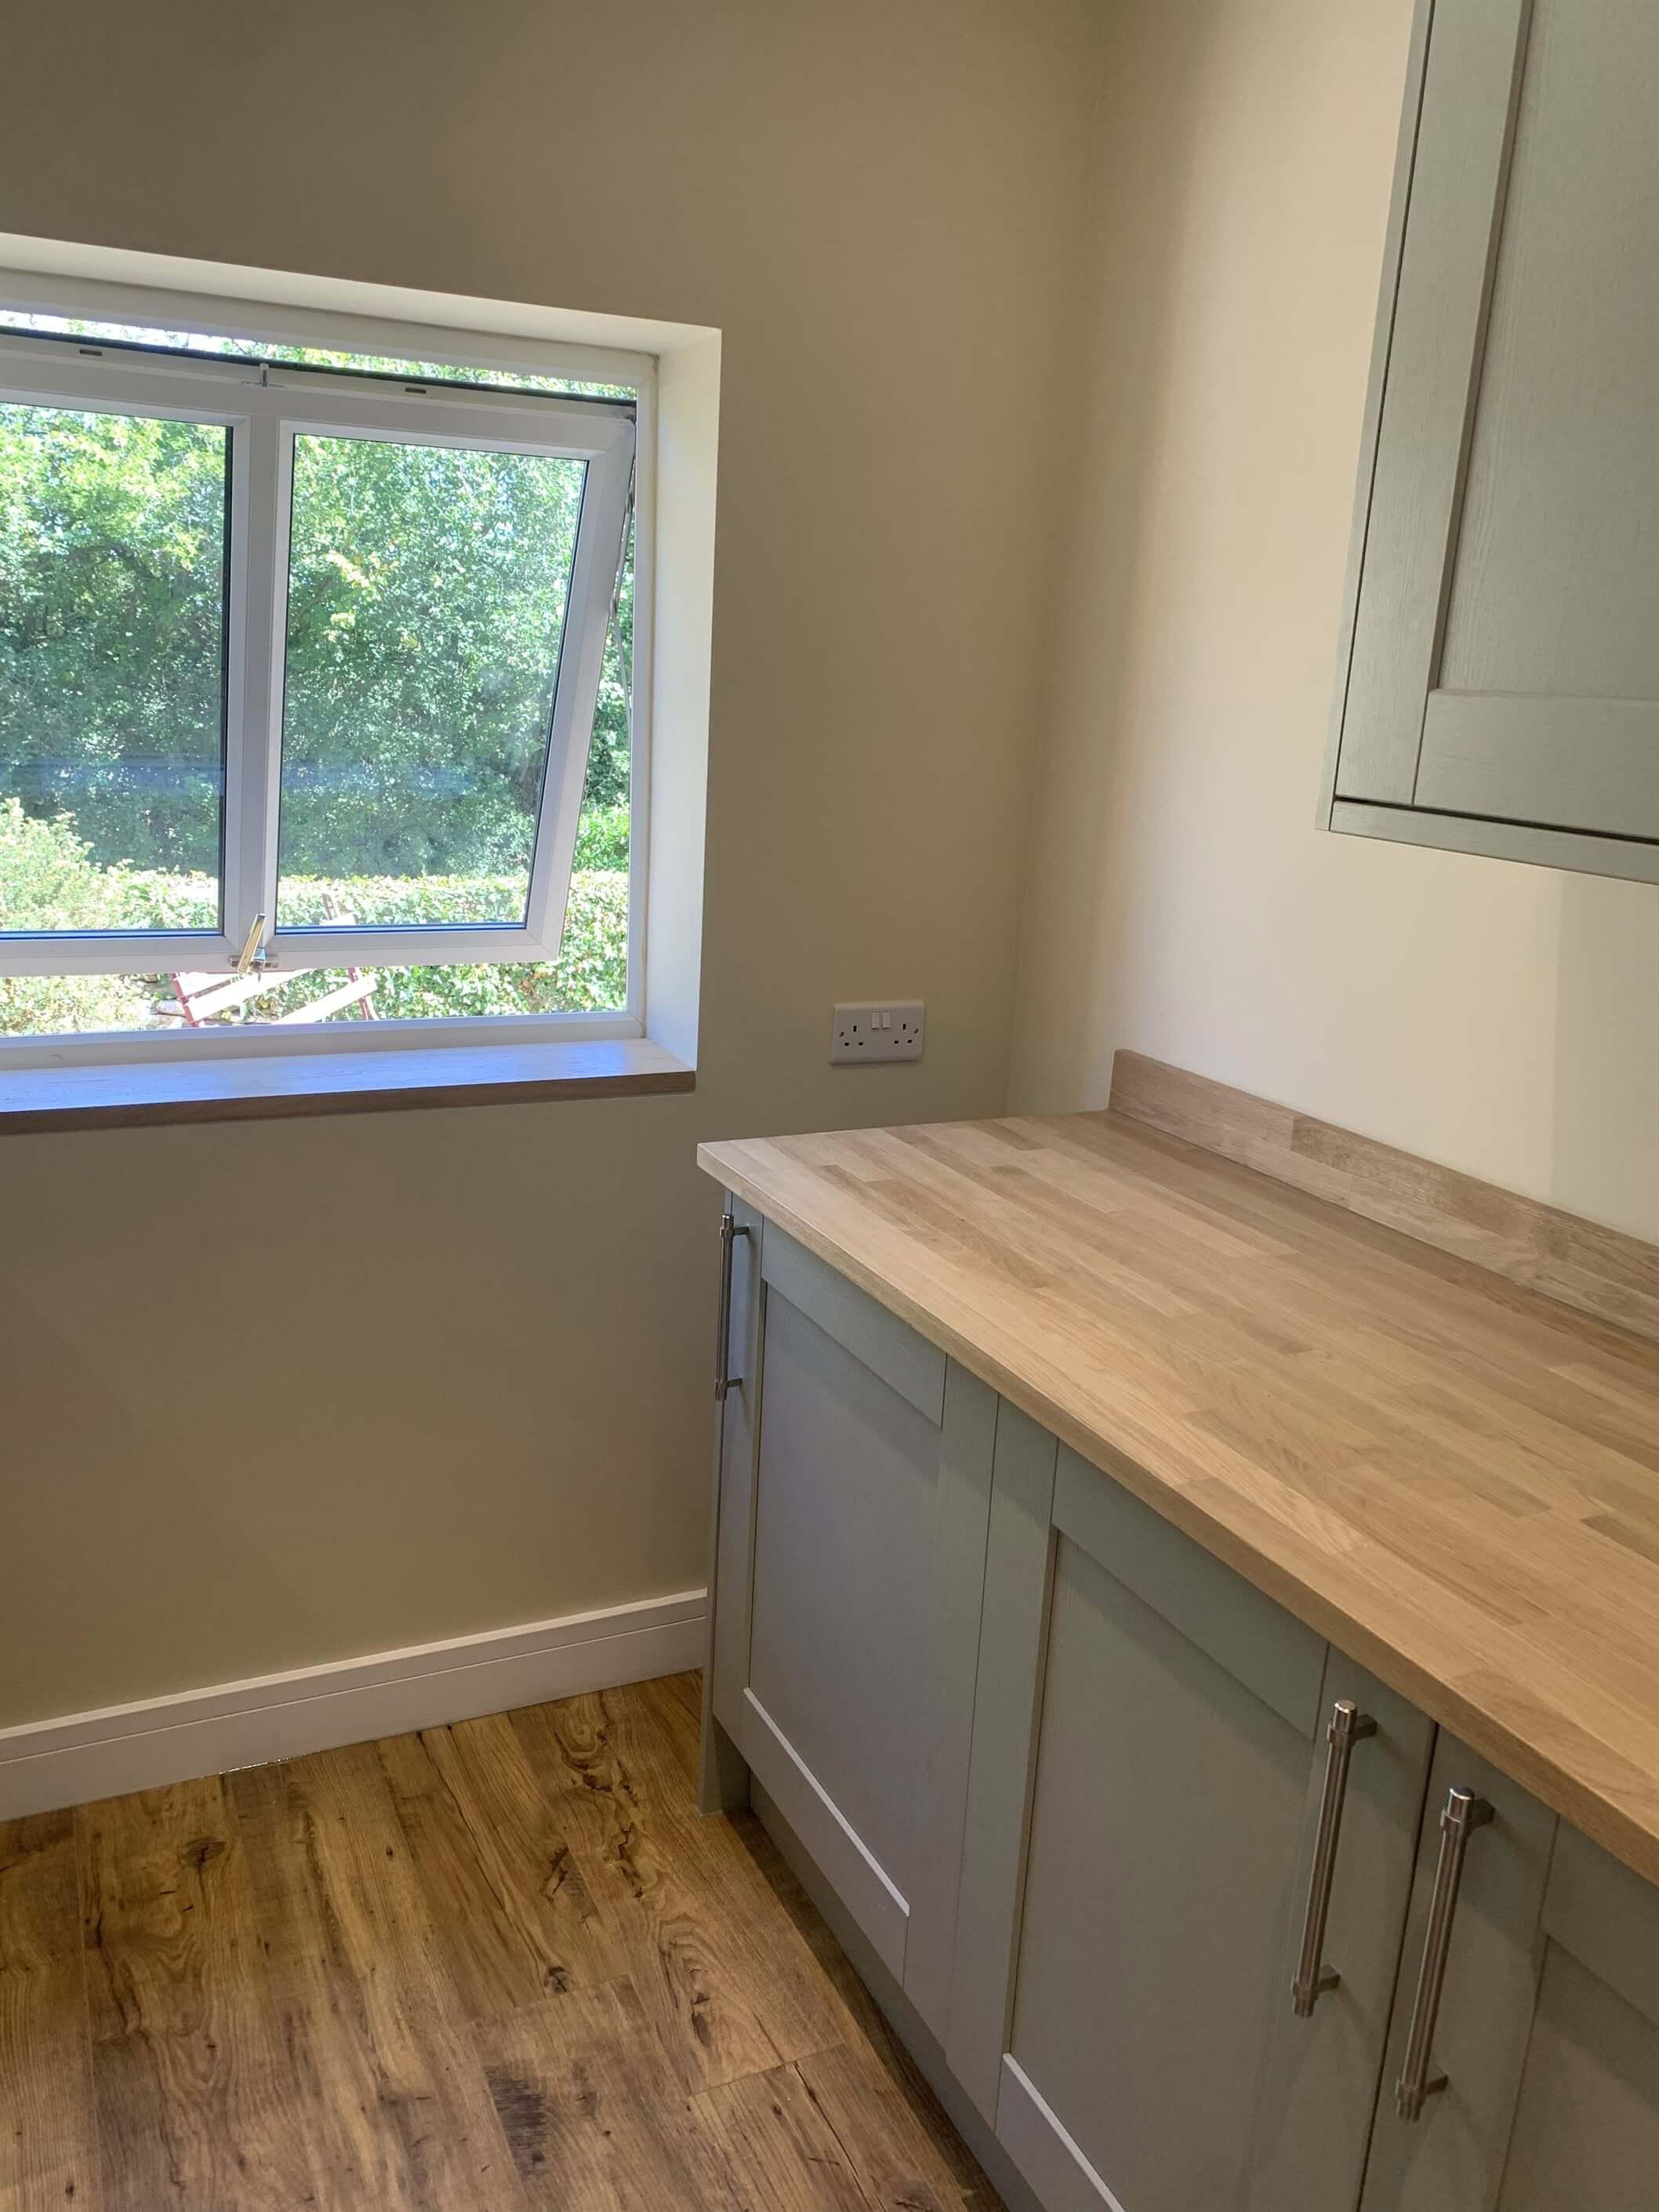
point(879, 1028)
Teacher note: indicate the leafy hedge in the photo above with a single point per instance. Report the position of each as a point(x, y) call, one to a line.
point(48, 880)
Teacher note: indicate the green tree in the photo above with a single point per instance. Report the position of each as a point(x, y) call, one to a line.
point(426, 606)
point(50, 882)
point(111, 580)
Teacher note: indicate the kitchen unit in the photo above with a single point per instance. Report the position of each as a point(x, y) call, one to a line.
point(1498, 684)
point(1200, 1636)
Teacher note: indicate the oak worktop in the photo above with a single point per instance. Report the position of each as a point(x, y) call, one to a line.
point(1453, 1477)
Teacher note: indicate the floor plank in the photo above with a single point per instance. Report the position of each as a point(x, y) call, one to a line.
point(410, 2121)
point(48, 2118)
point(511, 1906)
point(872, 2042)
point(729, 1983)
point(606, 1762)
point(191, 2075)
point(500, 1967)
point(891, 2147)
point(781, 2146)
point(596, 2118)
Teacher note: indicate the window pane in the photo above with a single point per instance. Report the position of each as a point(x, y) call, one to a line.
point(426, 607)
point(589, 974)
point(112, 613)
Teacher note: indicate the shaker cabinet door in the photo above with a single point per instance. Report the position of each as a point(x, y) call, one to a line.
point(1152, 1746)
point(851, 1552)
point(1531, 2083)
point(1499, 689)
point(1586, 2111)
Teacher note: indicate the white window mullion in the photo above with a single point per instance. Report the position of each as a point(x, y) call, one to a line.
point(259, 579)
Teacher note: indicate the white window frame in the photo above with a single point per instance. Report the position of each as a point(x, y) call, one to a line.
point(265, 405)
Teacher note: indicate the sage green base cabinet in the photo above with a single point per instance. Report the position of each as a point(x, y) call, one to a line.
point(855, 1479)
point(1151, 1749)
point(1203, 1916)
point(1545, 2037)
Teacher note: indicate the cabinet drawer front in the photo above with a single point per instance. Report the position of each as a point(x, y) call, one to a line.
point(907, 1363)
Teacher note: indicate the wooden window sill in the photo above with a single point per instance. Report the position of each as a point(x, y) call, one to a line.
point(267, 1087)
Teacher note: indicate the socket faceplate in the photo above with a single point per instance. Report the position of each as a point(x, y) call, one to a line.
point(877, 1030)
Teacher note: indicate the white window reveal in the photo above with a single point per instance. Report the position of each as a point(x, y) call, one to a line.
point(300, 668)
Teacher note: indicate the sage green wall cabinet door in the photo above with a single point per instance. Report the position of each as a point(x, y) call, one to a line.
point(851, 1560)
point(1545, 2037)
point(1498, 685)
point(1151, 1746)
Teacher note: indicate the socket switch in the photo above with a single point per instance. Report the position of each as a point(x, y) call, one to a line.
point(881, 1029)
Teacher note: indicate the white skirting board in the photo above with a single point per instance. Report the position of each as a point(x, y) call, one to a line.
point(48, 1764)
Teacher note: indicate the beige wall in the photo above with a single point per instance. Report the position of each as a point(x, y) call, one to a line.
point(276, 1394)
point(1500, 1018)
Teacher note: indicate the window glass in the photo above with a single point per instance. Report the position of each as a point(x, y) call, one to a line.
point(589, 976)
point(113, 627)
point(426, 593)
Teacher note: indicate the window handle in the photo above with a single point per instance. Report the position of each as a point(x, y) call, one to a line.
point(1464, 1813)
point(251, 957)
point(1349, 1726)
point(730, 1232)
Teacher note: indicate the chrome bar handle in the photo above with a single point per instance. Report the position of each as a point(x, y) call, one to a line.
point(1464, 1813)
point(1349, 1726)
point(730, 1232)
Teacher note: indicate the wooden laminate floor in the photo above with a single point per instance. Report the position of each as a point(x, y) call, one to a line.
point(498, 1967)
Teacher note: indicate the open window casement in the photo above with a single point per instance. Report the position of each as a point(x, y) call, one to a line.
point(281, 744)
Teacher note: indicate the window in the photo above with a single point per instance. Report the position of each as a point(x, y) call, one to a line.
point(314, 679)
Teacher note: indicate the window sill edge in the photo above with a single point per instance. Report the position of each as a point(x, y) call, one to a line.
point(132, 1094)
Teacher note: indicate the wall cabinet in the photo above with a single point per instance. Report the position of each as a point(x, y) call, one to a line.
point(1200, 1915)
point(1498, 677)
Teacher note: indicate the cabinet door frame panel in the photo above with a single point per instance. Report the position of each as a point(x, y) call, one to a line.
point(1454, 2154)
point(1472, 60)
point(1464, 771)
point(912, 1935)
point(1308, 2111)
point(1007, 1717)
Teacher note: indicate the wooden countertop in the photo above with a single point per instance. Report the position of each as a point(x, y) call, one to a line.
point(1454, 1479)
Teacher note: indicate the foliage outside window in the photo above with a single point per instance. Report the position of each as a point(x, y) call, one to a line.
point(424, 632)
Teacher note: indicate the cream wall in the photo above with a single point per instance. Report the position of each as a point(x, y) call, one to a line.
point(275, 1393)
point(1499, 1017)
